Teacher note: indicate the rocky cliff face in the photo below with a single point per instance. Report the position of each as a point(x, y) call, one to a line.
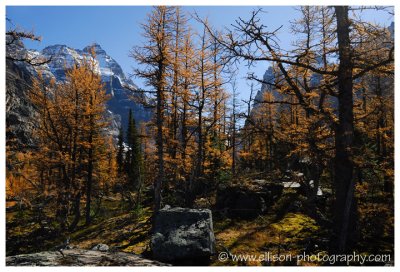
point(268, 77)
point(19, 110)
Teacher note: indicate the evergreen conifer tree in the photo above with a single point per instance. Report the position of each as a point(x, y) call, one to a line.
point(120, 154)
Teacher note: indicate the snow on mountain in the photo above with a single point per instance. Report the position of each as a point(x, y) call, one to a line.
point(64, 57)
point(113, 77)
point(108, 66)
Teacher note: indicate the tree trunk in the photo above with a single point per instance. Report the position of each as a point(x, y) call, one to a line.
point(89, 186)
point(345, 206)
point(199, 164)
point(160, 146)
point(234, 141)
point(90, 166)
point(77, 212)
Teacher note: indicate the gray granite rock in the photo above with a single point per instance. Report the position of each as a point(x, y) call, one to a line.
point(80, 257)
point(183, 234)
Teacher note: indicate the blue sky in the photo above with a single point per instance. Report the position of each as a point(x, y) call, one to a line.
point(117, 28)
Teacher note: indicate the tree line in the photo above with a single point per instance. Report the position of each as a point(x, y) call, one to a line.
point(330, 105)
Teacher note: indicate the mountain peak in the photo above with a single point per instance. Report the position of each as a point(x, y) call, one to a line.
point(54, 48)
point(97, 48)
point(57, 46)
point(95, 45)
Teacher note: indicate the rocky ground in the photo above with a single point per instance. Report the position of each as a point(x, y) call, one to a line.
point(80, 257)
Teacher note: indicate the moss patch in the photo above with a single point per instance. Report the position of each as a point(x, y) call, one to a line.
point(263, 235)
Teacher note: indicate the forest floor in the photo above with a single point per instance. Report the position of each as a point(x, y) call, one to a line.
point(129, 232)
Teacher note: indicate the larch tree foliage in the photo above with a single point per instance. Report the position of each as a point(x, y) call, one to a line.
point(187, 84)
point(71, 145)
point(320, 73)
point(176, 70)
point(217, 158)
point(202, 92)
point(108, 168)
point(373, 153)
point(155, 56)
point(86, 80)
point(19, 183)
point(186, 113)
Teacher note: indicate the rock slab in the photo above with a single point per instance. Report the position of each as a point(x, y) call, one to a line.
point(80, 257)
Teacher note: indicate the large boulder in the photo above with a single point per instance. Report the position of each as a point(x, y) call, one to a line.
point(236, 202)
point(247, 201)
point(183, 235)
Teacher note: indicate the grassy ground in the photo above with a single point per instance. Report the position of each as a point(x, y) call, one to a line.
point(113, 225)
point(129, 232)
